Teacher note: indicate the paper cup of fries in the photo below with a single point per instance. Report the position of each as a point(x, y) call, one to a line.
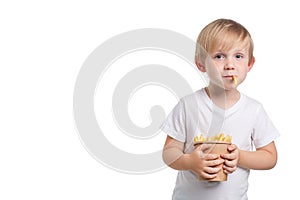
point(217, 144)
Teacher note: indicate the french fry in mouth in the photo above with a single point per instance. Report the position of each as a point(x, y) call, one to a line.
point(235, 80)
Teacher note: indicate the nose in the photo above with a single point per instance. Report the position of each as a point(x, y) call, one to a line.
point(229, 66)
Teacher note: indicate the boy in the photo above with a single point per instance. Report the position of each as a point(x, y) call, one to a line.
point(225, 52)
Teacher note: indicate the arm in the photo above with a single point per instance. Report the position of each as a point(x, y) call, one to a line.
point(173, 155)
point(206, 166)
point(261, 159)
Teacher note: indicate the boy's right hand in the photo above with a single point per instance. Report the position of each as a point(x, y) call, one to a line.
point(204, 164)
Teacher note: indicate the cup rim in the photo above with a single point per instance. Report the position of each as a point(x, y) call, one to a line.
point(212, 142)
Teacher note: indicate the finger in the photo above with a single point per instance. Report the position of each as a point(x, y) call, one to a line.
point(211, 156)
point(232, 147)
point(228, 170)
point(212, 170)
point(207, 175)
point(213, 163)
point(229, 163)
point(230, 156)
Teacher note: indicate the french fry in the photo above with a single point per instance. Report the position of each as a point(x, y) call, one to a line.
point(221, 137)
point(216, 138)
point(196, 139)
point(202, 138)
point(235, 79)
point(227, 138)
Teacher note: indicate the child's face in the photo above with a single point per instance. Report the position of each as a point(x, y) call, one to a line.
point(223, 64)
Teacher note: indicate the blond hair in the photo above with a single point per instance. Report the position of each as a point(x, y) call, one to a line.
point(222, 33)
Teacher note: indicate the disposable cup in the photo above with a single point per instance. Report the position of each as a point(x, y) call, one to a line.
point(214, 148)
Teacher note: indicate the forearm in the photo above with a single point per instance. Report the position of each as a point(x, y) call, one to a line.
point(261, 159)
point(174, 156)
point(176, 159)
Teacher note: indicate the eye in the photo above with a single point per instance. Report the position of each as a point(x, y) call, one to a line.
point(219, 56)
point(239, 56)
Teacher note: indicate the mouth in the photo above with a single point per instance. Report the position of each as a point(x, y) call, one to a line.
point(231, 78)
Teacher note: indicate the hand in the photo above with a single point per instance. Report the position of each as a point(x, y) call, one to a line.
point(231, 159)
point(205, 165)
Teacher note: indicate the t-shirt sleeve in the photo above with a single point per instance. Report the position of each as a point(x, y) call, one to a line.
point(174, 124)
point(264, 131)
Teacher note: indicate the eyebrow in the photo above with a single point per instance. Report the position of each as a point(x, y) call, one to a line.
point(235, 50)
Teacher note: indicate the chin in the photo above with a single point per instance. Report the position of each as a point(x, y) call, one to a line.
point(230, 88)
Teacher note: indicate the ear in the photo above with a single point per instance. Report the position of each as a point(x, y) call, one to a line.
point(200, 66)
point(251, 64)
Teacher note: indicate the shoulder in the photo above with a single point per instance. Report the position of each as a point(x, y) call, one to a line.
point(251, 102)
point(193, 97)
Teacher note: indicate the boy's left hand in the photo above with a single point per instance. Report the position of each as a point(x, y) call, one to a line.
point(231, 159)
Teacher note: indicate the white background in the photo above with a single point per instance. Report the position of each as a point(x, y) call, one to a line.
point(42, 48)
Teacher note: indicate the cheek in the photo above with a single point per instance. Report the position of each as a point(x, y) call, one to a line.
point(214, 72)
point(242, 73)
point(214, 68)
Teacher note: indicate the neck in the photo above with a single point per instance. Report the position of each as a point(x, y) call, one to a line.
point(221, 97)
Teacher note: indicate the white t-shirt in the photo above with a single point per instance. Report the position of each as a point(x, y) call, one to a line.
point(247, 123)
